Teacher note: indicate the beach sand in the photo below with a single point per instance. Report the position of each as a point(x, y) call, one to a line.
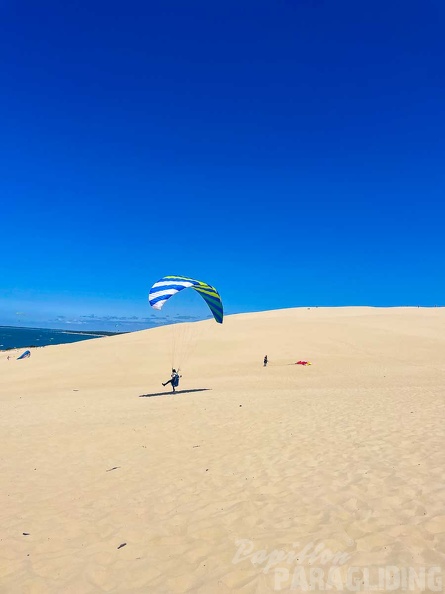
point(346, 454)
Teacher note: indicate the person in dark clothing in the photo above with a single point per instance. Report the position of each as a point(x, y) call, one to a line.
point(174, 380)
point(265, 361)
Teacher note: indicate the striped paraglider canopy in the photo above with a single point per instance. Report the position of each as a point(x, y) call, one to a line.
point(168, 286)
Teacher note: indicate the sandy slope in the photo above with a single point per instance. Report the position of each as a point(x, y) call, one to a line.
point(347, 454)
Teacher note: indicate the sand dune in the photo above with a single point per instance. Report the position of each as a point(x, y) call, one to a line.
point(346, 454)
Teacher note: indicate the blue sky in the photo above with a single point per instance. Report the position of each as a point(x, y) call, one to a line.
point(291, 153)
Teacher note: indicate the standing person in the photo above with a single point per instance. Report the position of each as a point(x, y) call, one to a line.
point(265, 361)
point(174, 380)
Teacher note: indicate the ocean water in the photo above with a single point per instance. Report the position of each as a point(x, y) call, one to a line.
point(12, 337)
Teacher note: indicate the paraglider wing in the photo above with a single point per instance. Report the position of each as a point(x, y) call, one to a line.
point(168, 286)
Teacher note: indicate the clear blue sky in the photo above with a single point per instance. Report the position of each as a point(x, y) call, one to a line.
point(290, 152)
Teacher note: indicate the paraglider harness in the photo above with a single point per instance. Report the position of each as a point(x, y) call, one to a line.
point(175, 379)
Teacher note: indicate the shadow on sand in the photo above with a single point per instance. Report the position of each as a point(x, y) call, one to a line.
point(171, 393)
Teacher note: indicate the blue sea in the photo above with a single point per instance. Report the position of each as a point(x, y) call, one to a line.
point(12, 337)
